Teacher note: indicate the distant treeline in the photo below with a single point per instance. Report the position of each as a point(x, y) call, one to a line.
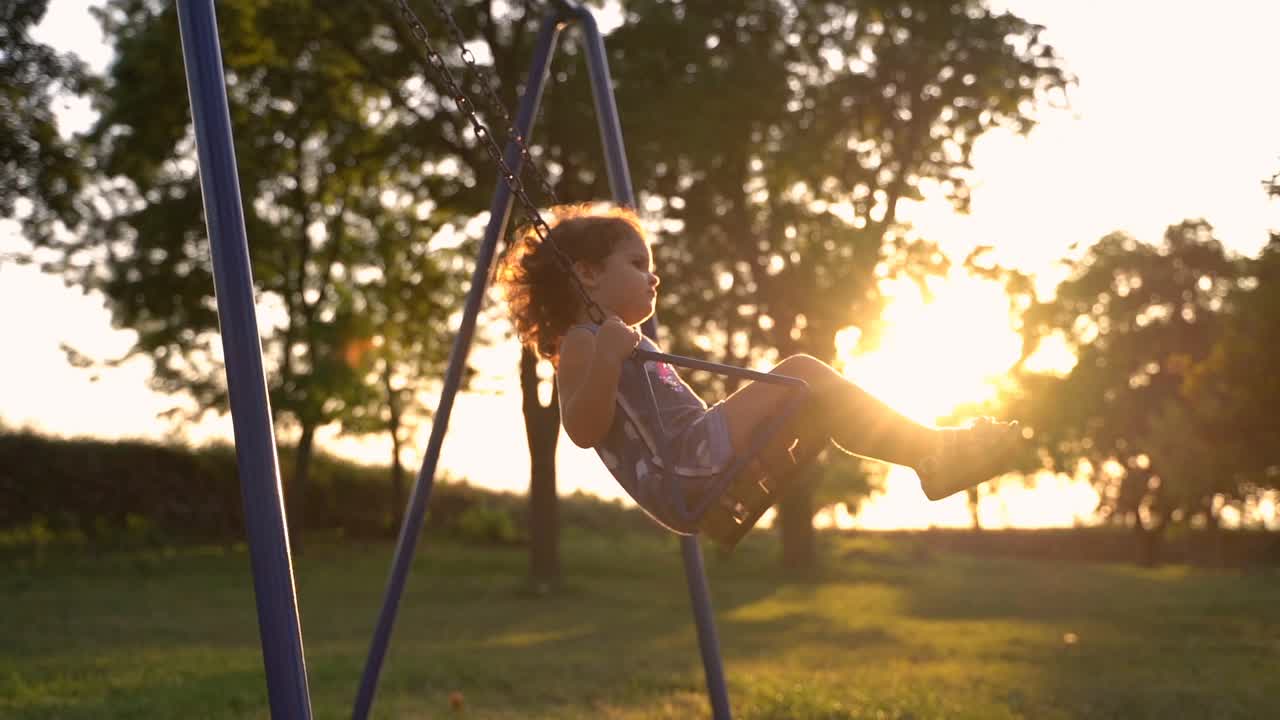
point(86, 491)
point(1105, 543)
point(114, 494)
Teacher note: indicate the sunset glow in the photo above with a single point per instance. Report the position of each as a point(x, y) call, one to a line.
point(1135, 151)
point(938, 353)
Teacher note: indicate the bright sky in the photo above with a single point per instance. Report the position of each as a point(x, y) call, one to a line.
point(1175, 116)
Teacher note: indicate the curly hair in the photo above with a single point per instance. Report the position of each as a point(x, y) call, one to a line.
point(540, 295)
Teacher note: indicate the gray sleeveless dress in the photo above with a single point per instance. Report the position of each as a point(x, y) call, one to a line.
point(652, 398)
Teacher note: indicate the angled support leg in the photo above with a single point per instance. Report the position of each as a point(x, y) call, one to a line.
point(264, 516)
point(415, 514)
point(500, 210)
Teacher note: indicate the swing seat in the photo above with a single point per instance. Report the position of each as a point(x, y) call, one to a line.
point(758, 486)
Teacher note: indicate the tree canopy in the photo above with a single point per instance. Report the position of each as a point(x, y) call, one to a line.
point(37, 165)
point(777, 141)
point(353, 205)
point(1138, 317)
point(1231, 394)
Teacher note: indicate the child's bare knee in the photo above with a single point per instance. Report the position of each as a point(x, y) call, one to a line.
point(805, 367)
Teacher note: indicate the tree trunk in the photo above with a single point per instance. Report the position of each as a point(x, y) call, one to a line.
point(1150, 538)
point(795, 519)
point(973, 496)
point(397, 470)
point(542, 429)
point(1217, 542)
point(298, 493)
point(397, 482)
point(1148, 546)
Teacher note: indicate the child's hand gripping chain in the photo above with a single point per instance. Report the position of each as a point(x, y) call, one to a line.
point(616, 340)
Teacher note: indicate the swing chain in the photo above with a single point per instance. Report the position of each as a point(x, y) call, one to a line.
point(489, 86)
point(741, 522)
point(512, 180)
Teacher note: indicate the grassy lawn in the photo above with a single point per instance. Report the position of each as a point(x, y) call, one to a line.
point(888, 631)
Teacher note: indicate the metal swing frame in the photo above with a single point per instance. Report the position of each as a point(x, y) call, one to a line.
point(270, 558)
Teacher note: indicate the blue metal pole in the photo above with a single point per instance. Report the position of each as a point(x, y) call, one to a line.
point(704, 616)
point(620, 184)
point(411, 528)
point(250, 410)
point(607, 114)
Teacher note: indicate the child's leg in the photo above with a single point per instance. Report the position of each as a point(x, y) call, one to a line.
point(838, 410)
point(860, 424)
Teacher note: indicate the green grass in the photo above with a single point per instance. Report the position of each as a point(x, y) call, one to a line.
point(888, 631)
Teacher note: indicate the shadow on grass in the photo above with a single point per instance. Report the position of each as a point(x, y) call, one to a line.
point(1106, 641)
point(882, 629)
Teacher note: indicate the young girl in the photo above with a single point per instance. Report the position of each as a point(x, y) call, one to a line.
point(619, 406)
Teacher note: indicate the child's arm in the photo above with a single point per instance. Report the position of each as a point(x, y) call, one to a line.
point(588, 377)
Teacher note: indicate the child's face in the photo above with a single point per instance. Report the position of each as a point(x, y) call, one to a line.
point(625, 284)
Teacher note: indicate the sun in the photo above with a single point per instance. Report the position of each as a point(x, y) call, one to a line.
point(936, 354)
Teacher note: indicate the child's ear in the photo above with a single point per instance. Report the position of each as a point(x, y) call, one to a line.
point(587, 273)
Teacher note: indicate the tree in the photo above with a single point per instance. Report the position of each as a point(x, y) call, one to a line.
point(36, 164)
point(778, 141)
point(341, 170)
point(542, 430)
point(1137, 317)
point(761, 110)
point(409, 284)
point(1231, 394)
point(500, 38)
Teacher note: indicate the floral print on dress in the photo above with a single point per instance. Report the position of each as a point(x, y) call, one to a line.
point(667, 374)
point(610, 460)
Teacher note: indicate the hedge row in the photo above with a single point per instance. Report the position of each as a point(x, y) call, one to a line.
point(100, 491)
point(1107, 543)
